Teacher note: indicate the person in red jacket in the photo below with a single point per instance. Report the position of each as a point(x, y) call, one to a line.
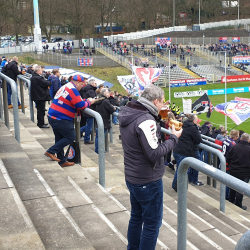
point(66, 103)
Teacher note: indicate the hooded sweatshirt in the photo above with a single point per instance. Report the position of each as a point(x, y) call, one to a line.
point(143, 151)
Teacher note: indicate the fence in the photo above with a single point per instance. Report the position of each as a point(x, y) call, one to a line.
point(148, 33)
point(224, 178)
point(13, 86)
point(26, 79)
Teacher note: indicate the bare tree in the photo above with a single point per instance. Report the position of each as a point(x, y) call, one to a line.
point(20, 15)
point(4, 15)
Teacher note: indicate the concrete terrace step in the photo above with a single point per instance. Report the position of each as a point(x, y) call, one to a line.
point(201, 235)
point(52, 222)
point(17, 230)
point(72, 197)
point(217, 227)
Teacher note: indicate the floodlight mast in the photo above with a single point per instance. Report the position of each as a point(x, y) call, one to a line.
point(37, 29)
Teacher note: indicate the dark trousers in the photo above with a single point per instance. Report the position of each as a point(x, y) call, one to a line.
point(40, 106)
point(236, 197)
point(146, 215)
point(64, 134)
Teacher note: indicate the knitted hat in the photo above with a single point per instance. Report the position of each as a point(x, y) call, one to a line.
point(78, 78)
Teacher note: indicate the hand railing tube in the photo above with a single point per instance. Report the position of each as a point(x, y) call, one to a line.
point(230, 181)
point(15, 105)
point(25, 79)
point(101, 143)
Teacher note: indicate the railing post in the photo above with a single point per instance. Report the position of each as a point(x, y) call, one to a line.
point(21, 94)
point(5, 105)
point(101, 144)
point(111, 129)
point(77, 131)
point(107, 142)
point(23, 78)
point(182, 206)
point(209, 160)
point(1, 104)
point(215, 163)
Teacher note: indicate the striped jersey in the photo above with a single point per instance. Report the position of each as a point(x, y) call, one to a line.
point(66, 103)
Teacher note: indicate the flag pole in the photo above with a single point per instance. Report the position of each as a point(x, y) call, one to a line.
point(233, 128)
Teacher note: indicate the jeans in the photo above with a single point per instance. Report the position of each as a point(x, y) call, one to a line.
point(9, 93)
point(87, 128)
point(227, 189)
point(178, 159)
point(193, 173)
point(96, 139)
point(205, 154)
point(115, 118)
point(64, 135)
point(146, 215)
point(236, 197)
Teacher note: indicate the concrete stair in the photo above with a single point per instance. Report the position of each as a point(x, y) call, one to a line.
point(69, 209)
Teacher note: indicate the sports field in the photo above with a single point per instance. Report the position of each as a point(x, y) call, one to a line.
point(216, 118)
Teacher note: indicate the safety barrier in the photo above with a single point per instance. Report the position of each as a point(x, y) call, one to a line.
point(182, 183)
point(27, 81)
point(13, 85)
point(101, 142)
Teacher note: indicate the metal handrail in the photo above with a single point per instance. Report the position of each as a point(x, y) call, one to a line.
point(101, 143)
point(222, 164)
point(27, 80)
point(182, 183)
point(15, 105)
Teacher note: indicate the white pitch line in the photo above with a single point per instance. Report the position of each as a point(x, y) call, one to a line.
point(16, 196)
point(59, 204)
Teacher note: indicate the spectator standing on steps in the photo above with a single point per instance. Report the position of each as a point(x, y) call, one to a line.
point(187, 147)
point(40, 94)
point(238, 160)
point(105, 109)
point(144, 165)
point(55, 82)
point(12, 72)
point(88, 91)
point(61, 116)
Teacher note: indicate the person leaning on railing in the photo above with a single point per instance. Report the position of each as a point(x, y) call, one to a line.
point(61, 114)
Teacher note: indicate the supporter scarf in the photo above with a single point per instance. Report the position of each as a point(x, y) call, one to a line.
point(149, 105)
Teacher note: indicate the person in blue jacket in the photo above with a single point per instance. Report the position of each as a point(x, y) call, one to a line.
point(56, 83)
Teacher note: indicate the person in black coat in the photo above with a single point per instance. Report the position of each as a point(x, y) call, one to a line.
point(238, 160)
point(89, 91)
point(12, 72)
point(40, 94)
point(187, 147)
point(105, 109)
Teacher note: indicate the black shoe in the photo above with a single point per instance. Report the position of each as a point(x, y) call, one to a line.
point(244, 207)
point(88, 142)
point(44, 126)
point(171, 165)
